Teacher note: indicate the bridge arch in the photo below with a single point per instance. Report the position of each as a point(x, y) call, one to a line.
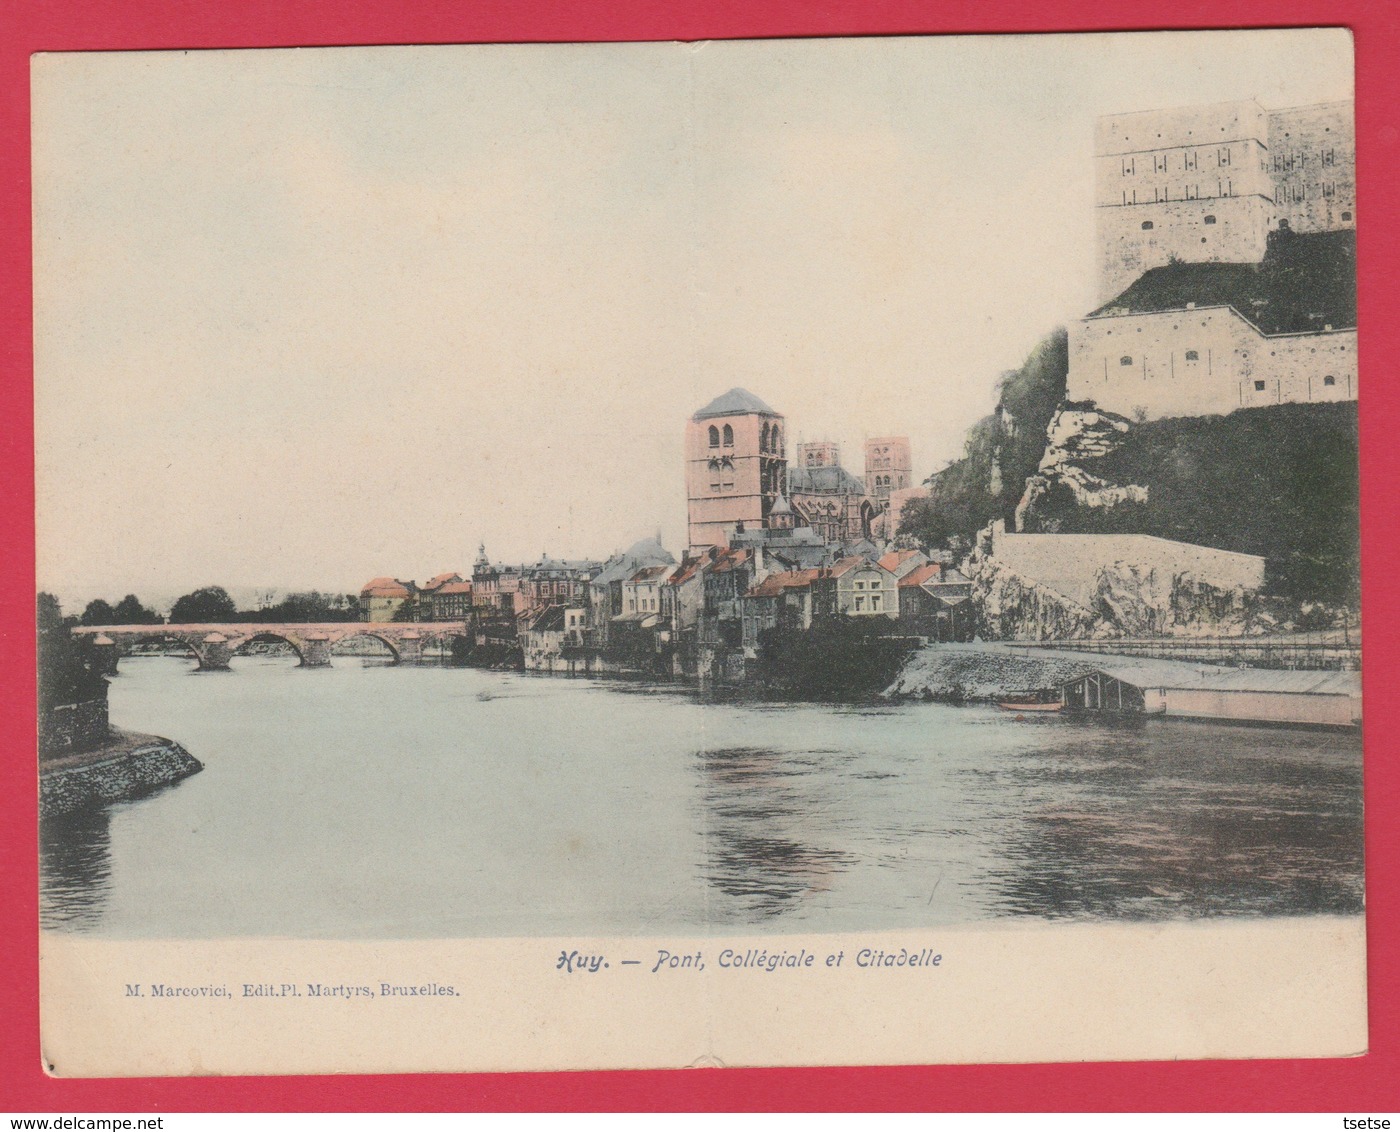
point(385, 639)
point(262, 638)
point(128, 642)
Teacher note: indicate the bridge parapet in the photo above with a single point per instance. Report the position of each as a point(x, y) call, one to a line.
point(215, 644)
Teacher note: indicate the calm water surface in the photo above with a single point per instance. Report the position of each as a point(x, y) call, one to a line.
point(374, 801)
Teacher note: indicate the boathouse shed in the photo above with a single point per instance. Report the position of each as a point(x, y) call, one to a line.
point(1189, 691)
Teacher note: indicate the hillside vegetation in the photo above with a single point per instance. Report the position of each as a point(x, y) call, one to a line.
point(1306, 281)
point(1002, 449)
point(1280, 481)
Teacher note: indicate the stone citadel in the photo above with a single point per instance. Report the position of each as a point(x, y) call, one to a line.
point(1259, 203)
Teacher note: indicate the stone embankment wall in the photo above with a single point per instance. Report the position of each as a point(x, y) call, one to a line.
point(130, 766)
point(984, 672)
point(1075, 565)
point(1120, 599)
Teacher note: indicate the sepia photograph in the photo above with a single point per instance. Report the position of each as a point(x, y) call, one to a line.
point(786, 523)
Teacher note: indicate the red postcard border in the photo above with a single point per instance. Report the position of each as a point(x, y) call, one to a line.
point(1363, 1084)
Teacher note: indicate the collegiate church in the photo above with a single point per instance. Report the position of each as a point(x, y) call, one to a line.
point(739, 480)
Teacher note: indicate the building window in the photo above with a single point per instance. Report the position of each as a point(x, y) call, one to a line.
point(874, 603)
point(1329, 380)
point(1125, 360)
point(860, 605)
point(1193, 355)
point(714, 437)
point(1210, 220)
point(728, 436)
point(1259, 385)
point(1346, 216)
point(1147, 225)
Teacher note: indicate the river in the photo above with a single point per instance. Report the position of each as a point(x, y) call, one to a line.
point(372, 801)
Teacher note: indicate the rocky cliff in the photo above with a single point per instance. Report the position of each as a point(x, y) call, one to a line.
point(1279, 482)
point(1077, 437)
point(1128, 601)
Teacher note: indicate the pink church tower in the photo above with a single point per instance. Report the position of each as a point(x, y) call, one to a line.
point(735, 466)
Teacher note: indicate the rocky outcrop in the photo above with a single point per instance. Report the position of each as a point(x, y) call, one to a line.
point(1076, 435)
point(1012, 607)
point(1139, 602)
point(130, 766)
point(1128, 600)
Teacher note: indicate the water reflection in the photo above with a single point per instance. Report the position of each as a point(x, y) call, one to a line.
point(76, 866)
point(1157, 824)
point(351, 802)
point(763, 815)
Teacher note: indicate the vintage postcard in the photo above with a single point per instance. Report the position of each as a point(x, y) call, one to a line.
point(637, 555)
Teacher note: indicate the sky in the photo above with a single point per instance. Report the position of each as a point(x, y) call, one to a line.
point(305, 317)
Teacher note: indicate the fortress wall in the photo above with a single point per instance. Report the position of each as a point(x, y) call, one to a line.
point(1295, 368)
point(1158, 379)
point(1238, 234)
point(1250, 168)
point(1312, 162)
point(1232, 358)
point(1180, 125)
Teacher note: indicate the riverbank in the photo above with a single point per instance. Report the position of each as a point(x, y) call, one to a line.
point(128, 766)
point(959, 673)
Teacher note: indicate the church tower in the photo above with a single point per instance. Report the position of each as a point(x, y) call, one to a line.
point(735, 466)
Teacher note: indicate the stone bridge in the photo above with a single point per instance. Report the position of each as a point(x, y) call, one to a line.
point(214, 645)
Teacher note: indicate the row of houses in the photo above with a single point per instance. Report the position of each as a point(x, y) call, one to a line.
point(491, 589)
point(704, 616)
point(708, 614)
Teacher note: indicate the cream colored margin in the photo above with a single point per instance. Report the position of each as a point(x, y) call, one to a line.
point(1251, 989)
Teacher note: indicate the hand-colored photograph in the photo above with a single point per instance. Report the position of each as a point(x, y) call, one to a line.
point(772, 489)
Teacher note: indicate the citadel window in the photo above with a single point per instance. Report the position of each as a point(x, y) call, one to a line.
point(1329, 380)
point(1147, 225)
point(1193, 356)
point(1259, 385)
point(1125, 360)
point(1346, 216)
point(1209, 220)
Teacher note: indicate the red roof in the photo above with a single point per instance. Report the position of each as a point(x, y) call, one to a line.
point(687, 570)
point(928, 572)
point(441, 580)
point(457, 587)
point(728, 560)
point(894, 558)
point(846, 565)
point(775, 584)
point(385, 587)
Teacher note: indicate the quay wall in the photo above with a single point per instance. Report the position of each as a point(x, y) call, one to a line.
point(130, 766)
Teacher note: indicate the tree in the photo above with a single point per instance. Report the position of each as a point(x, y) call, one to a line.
point(208, 605)
point(130, 611)
point(67, 670)
point(98, 612)
point(1001, 450)
point(302, 607)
